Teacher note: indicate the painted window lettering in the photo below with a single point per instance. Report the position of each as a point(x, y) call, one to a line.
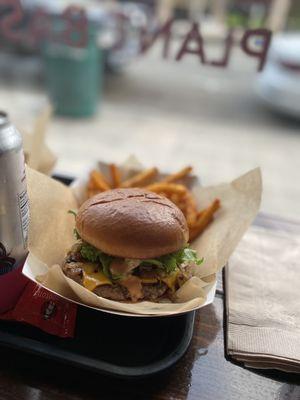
point(41, 27)
point(75, 33)
point(194, 44)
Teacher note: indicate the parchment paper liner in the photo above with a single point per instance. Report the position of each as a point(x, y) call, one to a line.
point(51, 235)
point(37, 154)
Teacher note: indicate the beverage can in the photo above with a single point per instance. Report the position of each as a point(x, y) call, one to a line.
point(14, 205)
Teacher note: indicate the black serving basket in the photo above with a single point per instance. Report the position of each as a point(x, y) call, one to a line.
point(120, 346)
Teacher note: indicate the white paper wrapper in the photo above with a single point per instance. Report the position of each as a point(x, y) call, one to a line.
point(51, 236)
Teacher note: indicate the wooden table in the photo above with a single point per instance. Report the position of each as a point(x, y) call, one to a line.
point(203, 373)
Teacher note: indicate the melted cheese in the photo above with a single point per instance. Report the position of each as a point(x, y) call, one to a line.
point(89, 268)
point(134, 286)
point(92, 279)
point(171, 280)
point(149, 280)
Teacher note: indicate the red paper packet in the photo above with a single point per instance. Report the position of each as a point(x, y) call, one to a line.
point(45, 310)
point(12, 285)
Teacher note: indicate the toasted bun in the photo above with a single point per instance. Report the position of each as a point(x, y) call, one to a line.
point(132, 223)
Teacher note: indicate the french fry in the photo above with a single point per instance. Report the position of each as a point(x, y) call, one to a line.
point(115, 175)
point(199, 213)
point(204, 220)
point(92, 192)
point(140, 179)
point(191, 203)
point(99, 181)
point(178, 175)
point(167, 188)
point(91, 185)
point(181, 204)
point(188, 206)
point(191, 216)
point(175, 197)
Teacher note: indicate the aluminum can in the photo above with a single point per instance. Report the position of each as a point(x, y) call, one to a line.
point(14, 206)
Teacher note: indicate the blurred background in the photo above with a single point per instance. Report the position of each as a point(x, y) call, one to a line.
point(110, 101)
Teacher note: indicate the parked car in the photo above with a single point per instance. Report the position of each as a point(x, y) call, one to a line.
point(278, 85)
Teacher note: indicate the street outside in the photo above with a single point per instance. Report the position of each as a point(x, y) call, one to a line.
point(171, 114)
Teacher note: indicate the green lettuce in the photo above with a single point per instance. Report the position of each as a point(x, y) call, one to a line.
point(105, 260)
point(170, 262)
point(90, 253)
point(188, 255)
point(75, 232)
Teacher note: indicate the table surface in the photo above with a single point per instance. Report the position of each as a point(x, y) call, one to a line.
point(203, 373)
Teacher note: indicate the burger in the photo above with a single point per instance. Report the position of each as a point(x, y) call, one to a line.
point(132, 245)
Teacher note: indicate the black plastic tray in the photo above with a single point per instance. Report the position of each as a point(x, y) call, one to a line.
point(126, 347)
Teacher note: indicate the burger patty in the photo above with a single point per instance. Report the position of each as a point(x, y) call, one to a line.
point(112, 292)
point(74, 271)
point(151, 291)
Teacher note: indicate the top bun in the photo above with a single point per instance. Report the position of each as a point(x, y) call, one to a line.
point(132, 223)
